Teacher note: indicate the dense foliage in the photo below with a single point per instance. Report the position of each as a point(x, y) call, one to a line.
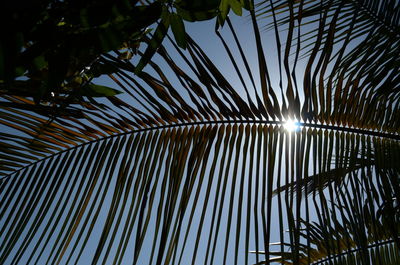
point(193, 162)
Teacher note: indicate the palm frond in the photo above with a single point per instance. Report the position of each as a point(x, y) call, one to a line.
point(350, 53)
point(149, 187)
point(188, 166)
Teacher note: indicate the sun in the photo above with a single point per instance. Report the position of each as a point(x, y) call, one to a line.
point(291, 125)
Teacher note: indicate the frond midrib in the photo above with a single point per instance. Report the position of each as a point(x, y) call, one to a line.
point(216, 122)
point(349, 251)
point(378, 19)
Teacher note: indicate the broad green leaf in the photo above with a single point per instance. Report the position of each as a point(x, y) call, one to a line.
point(236, 7)
point(247, 4)
point(40, 62)
point(193, 16)
point(178, 28)
point(197, 5)
point(224, 7)
point(154, 43)
point(19, 71)
point(93, 90)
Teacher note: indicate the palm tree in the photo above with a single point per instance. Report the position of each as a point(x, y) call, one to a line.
point(188, 167)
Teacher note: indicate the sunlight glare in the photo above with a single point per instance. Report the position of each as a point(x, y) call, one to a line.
point(291, 125)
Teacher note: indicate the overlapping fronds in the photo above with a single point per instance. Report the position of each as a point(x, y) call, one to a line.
point(192, 166)
point(361, 219)
point(200, 194)
point(351, 58)
point(313, 91)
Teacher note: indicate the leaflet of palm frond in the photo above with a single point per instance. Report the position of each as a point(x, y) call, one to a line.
point(345, 238)
point(357, 17)
point(363, 214)
point(217, 96)
point(37, 132)
point(349, 161)
point(232, 104)
point(51, 128)
point(18, 104)
point(355, 73)
point(219, 91)
point(166, 95)
point(367, 86)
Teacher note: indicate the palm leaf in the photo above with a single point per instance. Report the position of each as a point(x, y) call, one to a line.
point(362, 209)
point(182, 167)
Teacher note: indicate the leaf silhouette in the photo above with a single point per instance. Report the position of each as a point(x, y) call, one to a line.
point(190, 165)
